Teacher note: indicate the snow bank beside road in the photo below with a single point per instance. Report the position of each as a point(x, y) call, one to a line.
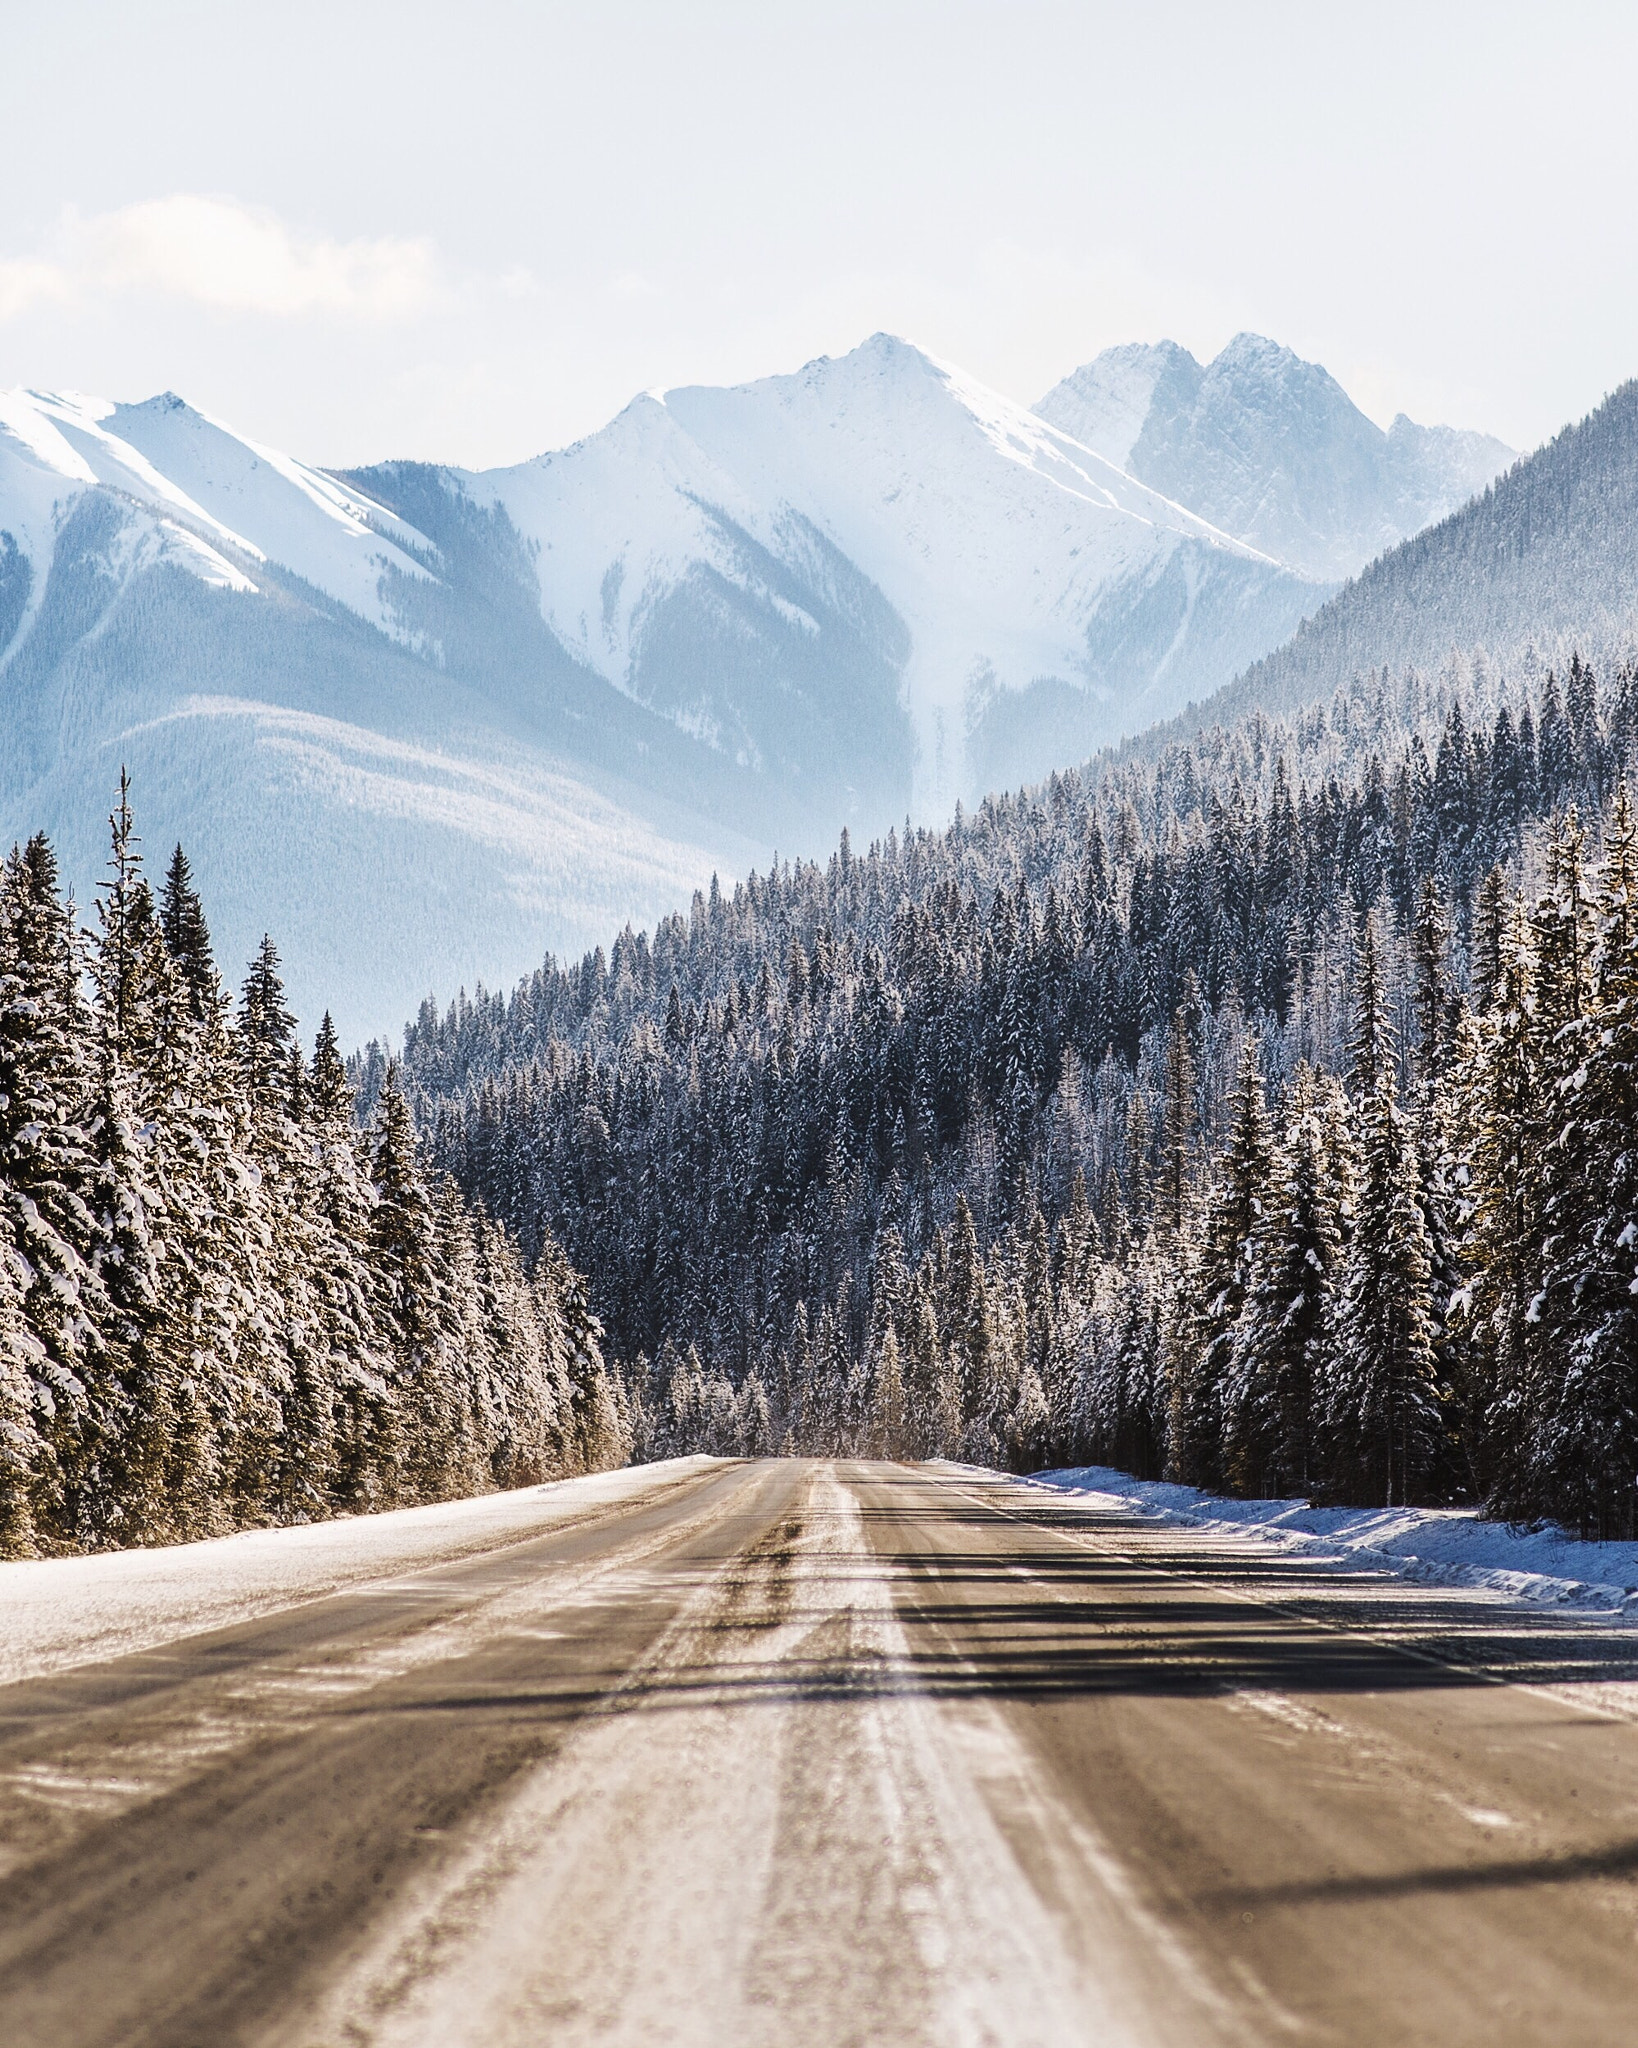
point(62, 1611)
point(1438, 1546)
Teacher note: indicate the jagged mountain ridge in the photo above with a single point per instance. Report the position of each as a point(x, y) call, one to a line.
point(907, 538)
point(1271, 449)
point(429, 722)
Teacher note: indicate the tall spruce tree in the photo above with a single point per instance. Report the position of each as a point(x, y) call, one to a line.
point(1582, 1455)
point(1383, 1401)
point(1233, 1212)
point(48, 1183)
point(1279, 1344)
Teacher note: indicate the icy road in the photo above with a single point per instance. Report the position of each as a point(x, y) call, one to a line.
point(794, 1753)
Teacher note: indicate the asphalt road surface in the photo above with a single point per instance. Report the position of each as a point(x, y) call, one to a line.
point(795, 1753)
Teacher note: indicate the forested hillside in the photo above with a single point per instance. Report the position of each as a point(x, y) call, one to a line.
point(221, 1303)
point(1260, 1114)
point(1545, 556)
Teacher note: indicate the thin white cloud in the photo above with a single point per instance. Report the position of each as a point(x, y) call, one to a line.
point(26, 282)
point(216, 252)
point(519, 282)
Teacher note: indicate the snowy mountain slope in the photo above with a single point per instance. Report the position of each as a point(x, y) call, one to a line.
point(891, 532)
point(238, 497)
point(1546, 560)
point(1272, 449)
point(399, 827)
point(427, 723)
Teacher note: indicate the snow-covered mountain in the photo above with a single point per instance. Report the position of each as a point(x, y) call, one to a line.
point(221, 618)
point(901, 539)
point(207, 488)
point(425, 723)
point(1541, 565)
point(1271, 449)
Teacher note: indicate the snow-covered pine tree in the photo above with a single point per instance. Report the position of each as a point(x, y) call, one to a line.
point(130, 975)
point(205, 1300)
point(1501, 1251)
point(753, 1420)
point(932, 1387)
point(279, 1382)
point(215, 1233)
point(22, 1454)
point(885, 1429)
point(48, 1186)
point(1233, 1210)
point(1583, 1436)
point(349, 1337)
point(404, 1249)
point(1173, 1187)
point(1433, 996)
point(592, 1420)
point(187, 937)
point(1383, 1403)
point(1279, 1356)
point(967, 1321)
point(1431, 1110)
point(1533, 1059)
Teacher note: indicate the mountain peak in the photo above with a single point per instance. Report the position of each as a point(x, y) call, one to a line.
point(1104, 403)
point(1248, 347)
point(1254, 360)
point(880, 356)
point(1269, 447)
point(892, 346)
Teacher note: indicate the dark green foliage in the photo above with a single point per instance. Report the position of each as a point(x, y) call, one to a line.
point(1382, 1400)
point(1280, 1343)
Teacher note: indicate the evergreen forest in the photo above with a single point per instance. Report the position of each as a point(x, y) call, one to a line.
point(1260, 1114)
point(1257, 1110)
point(224, 1302)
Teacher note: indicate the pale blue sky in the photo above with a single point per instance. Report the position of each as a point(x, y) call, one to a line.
point(471, 231)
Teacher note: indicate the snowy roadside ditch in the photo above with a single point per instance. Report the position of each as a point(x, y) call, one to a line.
point(1542, 1567)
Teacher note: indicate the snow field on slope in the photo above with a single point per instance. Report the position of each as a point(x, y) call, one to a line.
point(291, 514)
point(1544, 1567)
point(190, 469)
point(992, 534)
point(59, 1612)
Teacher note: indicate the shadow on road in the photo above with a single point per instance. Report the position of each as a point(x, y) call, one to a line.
point(1620, 1861)
point(994, 1604)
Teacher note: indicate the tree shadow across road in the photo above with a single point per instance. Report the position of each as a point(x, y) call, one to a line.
point(995, 1604)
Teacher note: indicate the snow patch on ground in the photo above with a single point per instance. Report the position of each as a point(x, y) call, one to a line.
point(1542, 1567)
point(59, 1612)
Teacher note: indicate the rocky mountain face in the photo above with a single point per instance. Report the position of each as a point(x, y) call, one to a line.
point(1271, 449)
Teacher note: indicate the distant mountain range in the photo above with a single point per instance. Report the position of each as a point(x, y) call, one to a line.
point(426, 723)
point(1271, 449)
point(875, 583)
